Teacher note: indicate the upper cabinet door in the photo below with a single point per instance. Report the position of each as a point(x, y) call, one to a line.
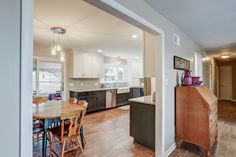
point(97, 65)
point(86, 65)
point(77, 63)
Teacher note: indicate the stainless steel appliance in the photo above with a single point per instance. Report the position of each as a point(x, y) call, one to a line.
point(110, 98)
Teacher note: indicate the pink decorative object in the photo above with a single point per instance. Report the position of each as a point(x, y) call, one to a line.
point(198, 83)
point(187, 78)
point(195, 79)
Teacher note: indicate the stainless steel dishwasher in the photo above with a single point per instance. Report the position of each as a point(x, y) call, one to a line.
point(110, 98)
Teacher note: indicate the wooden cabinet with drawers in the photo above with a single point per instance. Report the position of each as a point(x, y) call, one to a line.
point(196, 117)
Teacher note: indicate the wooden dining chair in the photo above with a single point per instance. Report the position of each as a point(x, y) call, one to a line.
point(67, 134)
point(73, 100)
point(38, 129)
point(39, 99)
point(83, 103)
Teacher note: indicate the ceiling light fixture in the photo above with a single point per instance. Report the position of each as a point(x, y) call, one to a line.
point(134, 36)
point(224, 57)
point(57, 42)
point(206, 59)
point(100, 50)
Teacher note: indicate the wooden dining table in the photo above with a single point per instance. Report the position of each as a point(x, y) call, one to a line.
point(49, 112)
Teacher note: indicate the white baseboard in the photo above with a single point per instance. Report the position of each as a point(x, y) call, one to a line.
point(170, 150)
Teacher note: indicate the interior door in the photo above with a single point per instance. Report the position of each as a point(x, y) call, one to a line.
point(226, 82)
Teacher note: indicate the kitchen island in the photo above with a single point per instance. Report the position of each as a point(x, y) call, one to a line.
point(142, 121)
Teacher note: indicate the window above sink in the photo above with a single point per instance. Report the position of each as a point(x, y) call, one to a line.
point(114, 73)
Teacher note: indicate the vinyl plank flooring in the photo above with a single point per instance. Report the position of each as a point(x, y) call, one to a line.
point(107, 135)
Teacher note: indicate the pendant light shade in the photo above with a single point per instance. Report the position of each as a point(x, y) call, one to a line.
point(57, 42)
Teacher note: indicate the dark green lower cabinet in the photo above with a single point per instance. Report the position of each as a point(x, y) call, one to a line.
point(122, 99)
point(142, 124)
point(136, 92)
point(96, 100)
point(100, 100)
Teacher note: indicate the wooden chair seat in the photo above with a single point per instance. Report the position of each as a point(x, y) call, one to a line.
point(56, 131)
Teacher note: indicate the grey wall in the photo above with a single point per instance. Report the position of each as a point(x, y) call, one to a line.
point(16, 77)
point(186, 50)
point(26, 78)
point(10, 77)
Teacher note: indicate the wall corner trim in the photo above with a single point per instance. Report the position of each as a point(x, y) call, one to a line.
point(170, 149)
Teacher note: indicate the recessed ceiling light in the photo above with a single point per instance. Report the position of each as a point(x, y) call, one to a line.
point(134, 36)
point(224, 57)
point(99, 50)
point(206, 59)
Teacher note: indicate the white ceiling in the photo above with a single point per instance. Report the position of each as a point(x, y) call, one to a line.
point(88, 28)
point(211, 23)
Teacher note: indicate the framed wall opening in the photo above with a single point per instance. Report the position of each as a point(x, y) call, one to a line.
point(117, 10)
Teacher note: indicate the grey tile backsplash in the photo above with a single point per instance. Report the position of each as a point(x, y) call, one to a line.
point(83, 84)
point(91, 83)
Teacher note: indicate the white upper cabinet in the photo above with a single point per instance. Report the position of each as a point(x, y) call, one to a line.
point(96, 65)
point(86, 65)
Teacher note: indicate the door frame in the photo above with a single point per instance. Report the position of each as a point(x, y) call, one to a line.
point(26, 41)
point(231, 88)
point(197, 56)
point(120, 11)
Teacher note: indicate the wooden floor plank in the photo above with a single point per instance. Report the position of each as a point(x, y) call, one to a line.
point(107, 135)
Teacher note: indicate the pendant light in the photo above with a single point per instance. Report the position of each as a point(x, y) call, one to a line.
point(57, 47)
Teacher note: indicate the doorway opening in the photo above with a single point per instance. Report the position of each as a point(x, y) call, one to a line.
point(156, 71)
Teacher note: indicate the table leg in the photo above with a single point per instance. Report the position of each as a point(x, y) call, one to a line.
point(83, 142)
point(44, 142)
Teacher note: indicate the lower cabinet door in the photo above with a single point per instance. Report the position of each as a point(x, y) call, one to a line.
point(122, 99)
point(92, 103)
point(101, 101)
point(96, 100)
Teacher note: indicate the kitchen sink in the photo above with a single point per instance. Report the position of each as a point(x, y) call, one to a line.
point(122, 90)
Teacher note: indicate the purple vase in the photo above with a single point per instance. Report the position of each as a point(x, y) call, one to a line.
point(187, 78)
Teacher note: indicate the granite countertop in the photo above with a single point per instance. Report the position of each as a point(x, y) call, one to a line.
point(96, 89)
point(143, 100)
point(101, 89)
